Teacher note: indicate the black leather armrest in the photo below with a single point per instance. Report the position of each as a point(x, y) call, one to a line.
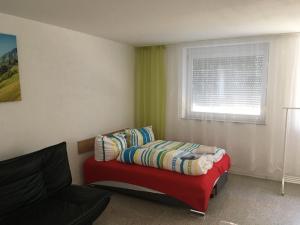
point(92, 201)
point(81, 194)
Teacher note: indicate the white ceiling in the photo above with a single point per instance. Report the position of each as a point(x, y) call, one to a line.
point(145, 22)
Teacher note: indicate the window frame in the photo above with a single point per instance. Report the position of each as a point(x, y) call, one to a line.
point(186, 92)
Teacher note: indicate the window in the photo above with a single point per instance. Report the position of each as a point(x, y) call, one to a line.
point(225, 83)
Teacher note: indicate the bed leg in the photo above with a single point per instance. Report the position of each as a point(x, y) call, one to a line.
point(197, 212)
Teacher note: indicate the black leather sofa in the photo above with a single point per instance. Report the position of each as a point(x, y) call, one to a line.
point(35, 189)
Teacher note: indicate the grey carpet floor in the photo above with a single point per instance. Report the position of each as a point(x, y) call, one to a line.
point(243, 201)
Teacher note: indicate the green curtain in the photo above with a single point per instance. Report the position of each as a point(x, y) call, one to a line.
point(150, 89)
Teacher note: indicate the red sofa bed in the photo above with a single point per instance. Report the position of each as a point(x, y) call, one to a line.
point(194, 191)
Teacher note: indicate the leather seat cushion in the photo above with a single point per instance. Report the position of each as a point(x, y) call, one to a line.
point(74, 205)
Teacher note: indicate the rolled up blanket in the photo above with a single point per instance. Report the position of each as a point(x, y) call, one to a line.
point(185, 158)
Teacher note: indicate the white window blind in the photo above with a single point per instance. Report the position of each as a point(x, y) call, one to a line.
point(226, 83)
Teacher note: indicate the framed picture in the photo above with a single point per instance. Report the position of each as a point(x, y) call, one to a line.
point(10, 89)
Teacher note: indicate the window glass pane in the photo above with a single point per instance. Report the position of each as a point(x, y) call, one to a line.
point(227, 79)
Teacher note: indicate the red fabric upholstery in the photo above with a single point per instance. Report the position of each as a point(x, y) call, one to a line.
point(193, 190)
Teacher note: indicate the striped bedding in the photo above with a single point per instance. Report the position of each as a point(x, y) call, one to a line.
point(170, 155)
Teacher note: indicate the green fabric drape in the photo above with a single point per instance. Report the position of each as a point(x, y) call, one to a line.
point(150, 89)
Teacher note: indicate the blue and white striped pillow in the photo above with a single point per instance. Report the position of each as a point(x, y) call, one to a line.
point(109, 147)
point(138, 137)
point(127, 155)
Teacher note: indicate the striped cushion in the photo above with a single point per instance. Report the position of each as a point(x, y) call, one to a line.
point(141, 136)
point(126, 155)
point(108, 147)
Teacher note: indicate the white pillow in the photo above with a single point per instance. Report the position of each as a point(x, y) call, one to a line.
point(108, 147)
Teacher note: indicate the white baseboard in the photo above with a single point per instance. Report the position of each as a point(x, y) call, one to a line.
point(292, 179)
point(255, 175)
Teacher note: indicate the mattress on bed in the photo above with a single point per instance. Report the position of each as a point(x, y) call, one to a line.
point(192, 190)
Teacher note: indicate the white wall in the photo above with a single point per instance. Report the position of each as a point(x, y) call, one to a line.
point(73, 85)
point(255, 150)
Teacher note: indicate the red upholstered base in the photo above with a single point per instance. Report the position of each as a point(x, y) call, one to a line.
point(192, 190)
